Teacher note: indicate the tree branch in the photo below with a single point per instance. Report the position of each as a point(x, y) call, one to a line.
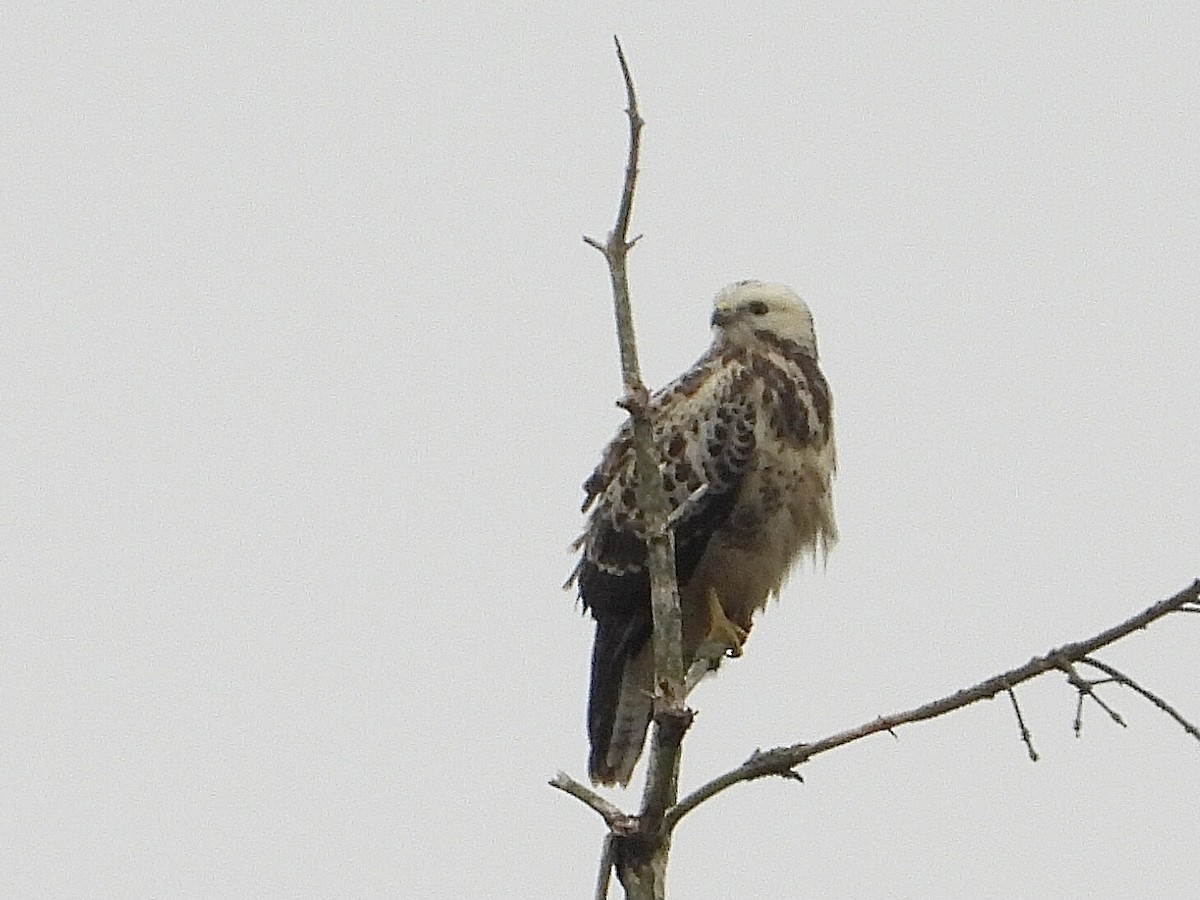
point(652, 499)
point(1123, 679)
point(782, 760)
point(644, 871)
point(617, 821)
point(1085, 690)
point(1026, 737)
point(604, 876)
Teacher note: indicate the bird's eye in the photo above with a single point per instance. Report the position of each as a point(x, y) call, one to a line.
point(757, 307)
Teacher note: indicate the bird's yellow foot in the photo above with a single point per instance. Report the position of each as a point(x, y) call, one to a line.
point(723, 631)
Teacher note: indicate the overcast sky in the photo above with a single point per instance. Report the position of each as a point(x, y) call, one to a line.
point(303, 362)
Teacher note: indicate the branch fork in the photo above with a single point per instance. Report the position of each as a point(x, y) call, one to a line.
point(636, 400)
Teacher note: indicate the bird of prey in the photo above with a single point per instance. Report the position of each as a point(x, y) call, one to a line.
point(745, 439)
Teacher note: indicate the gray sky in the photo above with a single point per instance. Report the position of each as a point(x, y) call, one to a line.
point(304, 361)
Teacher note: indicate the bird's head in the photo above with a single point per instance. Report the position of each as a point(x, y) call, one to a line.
point(744, 310)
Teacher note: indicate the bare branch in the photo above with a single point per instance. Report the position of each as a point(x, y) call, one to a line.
point(652, 500)
point(782, 759)
point(643, 872)
point(617, 821)
point(1025, 735)
point(635, 133)
point(604, 876)
point(1123, 679)
point(617, 245)
point(662, 774)
point(685, 509)
point(708, 658)
point(1085, 690)
point(1077, 725)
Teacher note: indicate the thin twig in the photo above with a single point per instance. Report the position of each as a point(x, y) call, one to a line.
point(1123, 679)
point(704, 663)
point(635, 144)
point(1085, 689)
point(685, 509)
point(772, 762)
point(1077, 725)
point(618, 245)
point(1025, 735)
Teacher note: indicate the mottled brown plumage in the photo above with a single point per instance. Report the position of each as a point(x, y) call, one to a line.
point(752, 421)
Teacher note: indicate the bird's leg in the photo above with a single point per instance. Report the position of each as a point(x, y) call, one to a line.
point(724, 638)
point(722, 631)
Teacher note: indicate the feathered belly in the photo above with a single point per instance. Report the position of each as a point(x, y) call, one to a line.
point(784, 511)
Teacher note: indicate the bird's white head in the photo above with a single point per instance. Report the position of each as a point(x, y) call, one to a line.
point(742, 311)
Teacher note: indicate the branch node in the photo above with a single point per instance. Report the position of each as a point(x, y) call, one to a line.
point(775, 762)
point(636, 400)
point(1085, 688)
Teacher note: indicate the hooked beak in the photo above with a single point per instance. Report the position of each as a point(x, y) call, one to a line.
point(722, 317)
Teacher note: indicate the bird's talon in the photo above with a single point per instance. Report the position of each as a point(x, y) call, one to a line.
point(723, 631)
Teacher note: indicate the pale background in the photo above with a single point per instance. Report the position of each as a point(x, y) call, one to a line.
point(304, 361)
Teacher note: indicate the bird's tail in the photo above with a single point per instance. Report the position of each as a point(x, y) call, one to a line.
point(621, 700)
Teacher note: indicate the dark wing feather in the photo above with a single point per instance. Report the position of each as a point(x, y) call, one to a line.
point(704, 428)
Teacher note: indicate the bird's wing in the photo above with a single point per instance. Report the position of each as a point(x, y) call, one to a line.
point(704, 427)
